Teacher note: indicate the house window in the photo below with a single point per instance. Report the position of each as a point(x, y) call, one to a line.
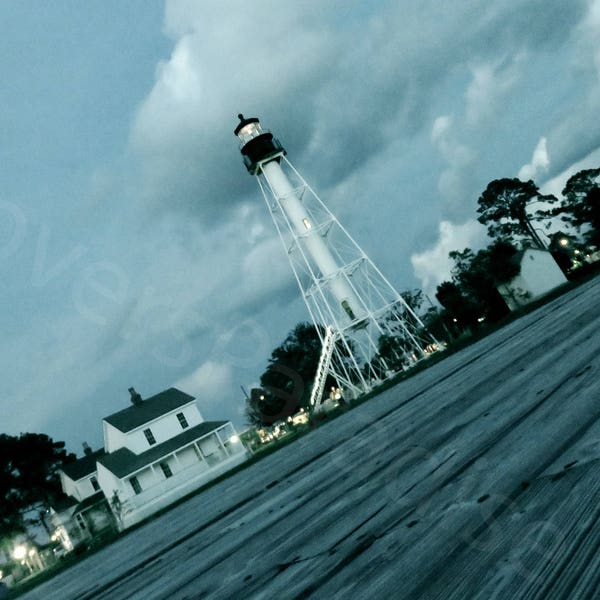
point(150, 437)
point(94, 483)
point(166, 469)
point(182, 420)
point(81, 521)
point(135, 484)
point(346, 306)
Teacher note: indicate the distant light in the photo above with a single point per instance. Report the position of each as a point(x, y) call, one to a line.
point(234, 439)
point(336, 393)
point(307, 224)
point(481, 319)
point(563, 242)
point(20, 552)
point(455, 320)
point(577, 252)
point(32, 552)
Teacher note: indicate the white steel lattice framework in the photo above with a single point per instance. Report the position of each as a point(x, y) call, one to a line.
point(376, 334)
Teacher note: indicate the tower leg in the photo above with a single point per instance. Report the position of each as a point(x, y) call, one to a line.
point(377, 333)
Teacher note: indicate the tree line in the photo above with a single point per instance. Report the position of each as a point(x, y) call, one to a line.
point(29, 479)
point(515, 212)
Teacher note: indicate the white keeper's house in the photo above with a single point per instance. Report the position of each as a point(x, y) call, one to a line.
point(158, 450)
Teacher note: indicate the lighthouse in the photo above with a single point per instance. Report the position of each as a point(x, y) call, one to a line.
point(376, 334)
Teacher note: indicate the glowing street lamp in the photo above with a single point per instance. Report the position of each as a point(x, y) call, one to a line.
point(335, 393)
point(20, 552)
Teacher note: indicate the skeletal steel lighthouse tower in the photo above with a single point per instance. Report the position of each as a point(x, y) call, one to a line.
point(369, 329)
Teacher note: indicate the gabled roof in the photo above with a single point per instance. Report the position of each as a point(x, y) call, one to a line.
point(90, 501)
point(63, 502)
point(123, 461)
point(132, 417)
point(84, 466)
point(533, 249)
point(517, 257)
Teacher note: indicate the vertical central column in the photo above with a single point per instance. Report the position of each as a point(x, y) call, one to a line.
point(314, 243)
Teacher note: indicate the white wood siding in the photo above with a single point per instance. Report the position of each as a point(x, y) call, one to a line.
point(163, 428)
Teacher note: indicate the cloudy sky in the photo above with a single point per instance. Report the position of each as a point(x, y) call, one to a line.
point(135, 250)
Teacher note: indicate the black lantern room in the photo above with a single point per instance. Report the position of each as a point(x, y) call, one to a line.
point(257, 144)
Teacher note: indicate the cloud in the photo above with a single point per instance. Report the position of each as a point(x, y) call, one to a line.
point(491, 83)
point(540, 162)
point(590, 30)
point(183, 131)
point(556, 185)
point(277, 63)
point(208, 382)
point(575, 133)
point(456, 154)
point(459, 157)
point(434, 265)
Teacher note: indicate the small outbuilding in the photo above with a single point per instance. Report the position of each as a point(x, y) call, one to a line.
point(539, 275)
point(83, 512)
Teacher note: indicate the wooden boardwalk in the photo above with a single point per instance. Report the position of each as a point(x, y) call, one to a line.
point(477, 478)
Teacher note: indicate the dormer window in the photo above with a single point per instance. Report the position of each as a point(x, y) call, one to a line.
point(150, 436)
point(182, 420)
point(94, 483)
